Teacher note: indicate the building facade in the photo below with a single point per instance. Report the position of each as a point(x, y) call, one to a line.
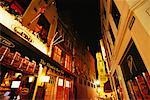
point(41, 55)
point(125, 27)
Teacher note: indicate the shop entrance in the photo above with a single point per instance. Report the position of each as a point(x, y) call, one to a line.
point(50, 88)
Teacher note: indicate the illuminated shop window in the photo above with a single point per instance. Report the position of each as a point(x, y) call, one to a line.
point(134, 71)
point(57, 54)
point(17, 7)
point(68, 62)
point(67, 84)
point(60, 82)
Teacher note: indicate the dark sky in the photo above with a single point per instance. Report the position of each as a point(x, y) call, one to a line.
point(84, 15)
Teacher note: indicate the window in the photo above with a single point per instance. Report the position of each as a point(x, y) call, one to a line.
point(60, 82)
point(17, 6)
point(68, 62)
point(43, 28)
point(115, 13)
point(62, 61)
point(57, 54)
point(111, 34)
point(134, 70)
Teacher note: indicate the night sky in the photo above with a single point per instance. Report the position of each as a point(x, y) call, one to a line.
point(84, 16)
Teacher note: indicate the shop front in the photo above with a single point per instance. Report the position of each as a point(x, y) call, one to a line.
point(18, 70)
point(60, 84)
point(20, 64)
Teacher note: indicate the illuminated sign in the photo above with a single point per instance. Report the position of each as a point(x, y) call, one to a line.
point(52, 67)
point(101, 68)
point(67, 84)
point(23, 33)
point(60, 82)
point(6, 42)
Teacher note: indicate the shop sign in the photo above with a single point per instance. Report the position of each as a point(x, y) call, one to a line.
point(23, 33)
point(52, 67)
point(6, 42)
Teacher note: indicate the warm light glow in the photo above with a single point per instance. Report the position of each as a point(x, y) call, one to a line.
point(45, 78)
point(31, 79)
point(9, 21)
point(15, 84)
point(60, 82)
point(67, 84)
point(103, 50)
point(17, 74)
point(98, 89)
point(97, 82)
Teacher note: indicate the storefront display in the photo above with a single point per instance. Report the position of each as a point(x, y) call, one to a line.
point(135, 74)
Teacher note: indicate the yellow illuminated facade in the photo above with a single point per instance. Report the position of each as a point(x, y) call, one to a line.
point(125, 27)
point(101, 73)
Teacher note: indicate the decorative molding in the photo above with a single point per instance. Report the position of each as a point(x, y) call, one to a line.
point(131, 22)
